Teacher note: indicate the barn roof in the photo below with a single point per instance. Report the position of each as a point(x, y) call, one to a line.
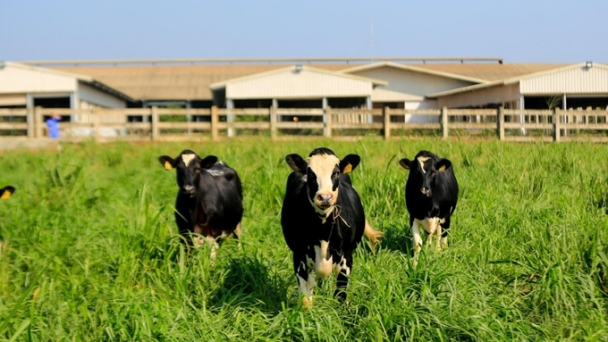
point(414, 68)
point(490, 72)
point(191, 82)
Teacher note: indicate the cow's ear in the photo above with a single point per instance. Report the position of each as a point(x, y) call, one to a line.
point(7, 192)
point(349, 163)
point(405, 163)
point(208, 162)
point(443, 165)
point(296, 162)
point(167, 162)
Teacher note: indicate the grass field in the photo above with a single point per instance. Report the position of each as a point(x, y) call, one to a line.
point(89, 252)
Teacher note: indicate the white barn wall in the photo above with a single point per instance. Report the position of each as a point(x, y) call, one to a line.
point(93, 97)
point(426, 104)
point(304, 84)
point(24, 80)
point(570, 81)
point(481, 97)
point(404, 85)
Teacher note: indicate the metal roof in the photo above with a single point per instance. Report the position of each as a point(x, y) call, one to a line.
point(192, 82)
point(290, 68)
point(490, 72)
point(175, 82)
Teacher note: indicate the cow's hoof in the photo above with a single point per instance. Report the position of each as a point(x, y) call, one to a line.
point(197, 242)
point(306, 303)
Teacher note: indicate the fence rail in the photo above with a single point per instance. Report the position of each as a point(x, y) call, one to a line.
point(160, 124)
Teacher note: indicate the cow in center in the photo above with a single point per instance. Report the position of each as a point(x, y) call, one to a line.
point(431, 194)
point(322, 219)
point(209, 201)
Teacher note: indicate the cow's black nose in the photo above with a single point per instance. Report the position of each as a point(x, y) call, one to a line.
point(188, 189)
point(426, 191)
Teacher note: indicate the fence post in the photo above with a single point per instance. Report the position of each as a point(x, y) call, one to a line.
point(155, 129)
point(273, 123)
point(387, 123)
point(95, 119)
point(31, 126)
point(501, 123)
point(327, 124)
point(214, 123)
point(556, 129)
point(444, 121)
point(38, 122)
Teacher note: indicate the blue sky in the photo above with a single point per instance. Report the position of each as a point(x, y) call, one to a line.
point(519, 31)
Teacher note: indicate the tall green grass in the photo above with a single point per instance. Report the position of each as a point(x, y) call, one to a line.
point(90, 252)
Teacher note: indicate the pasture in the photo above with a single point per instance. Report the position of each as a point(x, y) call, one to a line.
point(89, 248)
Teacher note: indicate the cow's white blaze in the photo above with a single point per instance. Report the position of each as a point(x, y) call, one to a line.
point(422, 160)
point(323, 166)
point(187, 158)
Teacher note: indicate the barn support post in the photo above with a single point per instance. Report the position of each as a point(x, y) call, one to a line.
point(31, 131)
point(387, 123)
point(273, 123)
point(327, 123)
point(155, 129)
point(214, 124)
point(500, 122)
point(444, 122)
point(556, 128)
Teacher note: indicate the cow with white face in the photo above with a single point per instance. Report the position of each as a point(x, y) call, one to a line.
point(431, 194)
point(209, 200)
point(322, 218)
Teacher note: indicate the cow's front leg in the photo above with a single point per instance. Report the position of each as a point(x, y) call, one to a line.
point(305, 278)
point(438, 236)
point(197, 240)
point(344, 269)
point(237, 234)
point(416, 240)
point(214, 247)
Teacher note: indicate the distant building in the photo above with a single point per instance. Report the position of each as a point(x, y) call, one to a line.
point(314, 83)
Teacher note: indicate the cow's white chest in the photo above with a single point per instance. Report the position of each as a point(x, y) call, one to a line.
point(322, 266)
point(430, 224)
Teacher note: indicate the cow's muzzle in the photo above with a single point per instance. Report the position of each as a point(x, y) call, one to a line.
point(188, 189)
point(426, 192)
point(324, 201)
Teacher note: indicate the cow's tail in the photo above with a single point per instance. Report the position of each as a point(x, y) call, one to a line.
point(372, 235)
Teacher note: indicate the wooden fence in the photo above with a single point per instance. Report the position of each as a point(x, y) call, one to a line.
point(159, 124)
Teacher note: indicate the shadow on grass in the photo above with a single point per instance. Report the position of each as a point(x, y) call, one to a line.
point(249, 283)
point(396, 239)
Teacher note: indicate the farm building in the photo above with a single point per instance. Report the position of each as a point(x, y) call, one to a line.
point(570, 86)
point(25, 86)
point(316, 83)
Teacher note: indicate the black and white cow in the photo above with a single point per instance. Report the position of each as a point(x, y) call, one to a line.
point(431, 193)
point(6, 192)
point(322, 218)
point(210, 198)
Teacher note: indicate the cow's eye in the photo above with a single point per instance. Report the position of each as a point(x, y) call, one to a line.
point(336, 174)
